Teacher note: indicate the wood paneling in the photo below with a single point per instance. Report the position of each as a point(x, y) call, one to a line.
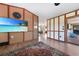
point(3, 13)
point(28, 36)
point(15, 37)
point(3, 10)
point(28, 17)
point(3, 37)
point(15, 9)
point(35, 22)
point(35, 33)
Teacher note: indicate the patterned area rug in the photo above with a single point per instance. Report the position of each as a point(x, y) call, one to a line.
point(38, 49)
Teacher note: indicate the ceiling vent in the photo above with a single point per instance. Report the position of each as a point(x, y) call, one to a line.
point(56, 4)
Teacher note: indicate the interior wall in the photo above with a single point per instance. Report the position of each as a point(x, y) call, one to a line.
point(18, 37)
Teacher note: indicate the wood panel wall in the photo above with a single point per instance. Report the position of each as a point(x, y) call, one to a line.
point(3, 13)
point(17, 37)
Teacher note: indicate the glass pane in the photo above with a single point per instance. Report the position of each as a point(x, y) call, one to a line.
point(52, 24)
point(52, 34)
point(56, 35)
point(56, 24)
point(70, 14)
point(61, 23)
point(49, 34)
point(61, 36)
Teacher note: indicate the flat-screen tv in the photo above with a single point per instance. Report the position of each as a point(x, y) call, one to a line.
point(76, 32)
point(12, 25)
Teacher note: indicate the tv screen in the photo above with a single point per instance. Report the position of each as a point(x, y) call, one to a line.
point(13, 25)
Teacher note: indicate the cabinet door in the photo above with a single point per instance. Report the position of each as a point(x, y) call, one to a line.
point(28, 17)
point(3, 13)
point(56, 24)
point(61, 23)
point(61, 36)
point(15, 12)
point(16, 37)
point(28, 36)
point(56, 35)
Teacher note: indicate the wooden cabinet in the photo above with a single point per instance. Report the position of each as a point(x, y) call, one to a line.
point(28, 17)
point(15, 37)
point(28, 36)
point(3, 13)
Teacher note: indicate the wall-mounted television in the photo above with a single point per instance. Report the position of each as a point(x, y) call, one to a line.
point(13, 25)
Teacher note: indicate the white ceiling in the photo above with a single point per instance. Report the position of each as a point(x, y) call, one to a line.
point(47, 10)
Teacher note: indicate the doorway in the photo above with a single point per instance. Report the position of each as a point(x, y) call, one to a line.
point(73, 30)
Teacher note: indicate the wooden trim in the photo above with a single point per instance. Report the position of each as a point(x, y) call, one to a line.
point(65, 30)
point(54, 28)
point(23, 19)
point(33, 26)
point(37, 27)
point(8, 32)
point(76, 13)
point(65, 13)
point(58, 28)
